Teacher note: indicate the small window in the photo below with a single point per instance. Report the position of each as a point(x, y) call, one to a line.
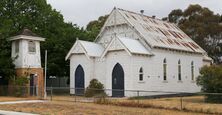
point(141, 74)
point(164, 69)
point(31, 47)
point(16, 46)
point(179, 71)
point(192, 71)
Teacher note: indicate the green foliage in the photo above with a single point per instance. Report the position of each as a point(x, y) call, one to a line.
point(202, 25)
point(210, 80)
point(95, 88)
point(20, 81)
point(46, 22)
point(175, 15)
point(95, 26)
point(19, 88)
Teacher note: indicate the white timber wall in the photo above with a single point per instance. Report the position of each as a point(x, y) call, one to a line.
point(153, 72)
point(124, 59)
point(87, 65)
point(25, 59)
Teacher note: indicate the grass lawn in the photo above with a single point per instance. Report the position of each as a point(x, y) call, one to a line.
point(76, 108)
point(192, 103)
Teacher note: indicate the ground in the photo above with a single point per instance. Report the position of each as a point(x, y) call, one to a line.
point(4, 99)
point(77, 108)
point(70, 105)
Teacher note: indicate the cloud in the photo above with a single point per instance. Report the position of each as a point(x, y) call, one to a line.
point(81, 12)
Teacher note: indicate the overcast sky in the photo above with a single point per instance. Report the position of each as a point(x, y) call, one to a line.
point(81, 12)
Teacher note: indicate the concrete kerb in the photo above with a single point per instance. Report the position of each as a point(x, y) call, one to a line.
point(14, 113)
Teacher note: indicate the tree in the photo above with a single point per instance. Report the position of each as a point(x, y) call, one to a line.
point(210, 80)
point(95, 88)
point(175, 15)
point(39, 17)
point(202, 25)
point(95, 26)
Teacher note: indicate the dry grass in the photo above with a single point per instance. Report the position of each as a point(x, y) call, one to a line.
point(4, 99)
point(194, 104)
point(75, 108)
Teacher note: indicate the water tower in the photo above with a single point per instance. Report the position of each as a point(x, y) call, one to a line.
point(27, 60)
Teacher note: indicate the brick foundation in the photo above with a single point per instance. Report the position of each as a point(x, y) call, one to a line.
point(39, 80)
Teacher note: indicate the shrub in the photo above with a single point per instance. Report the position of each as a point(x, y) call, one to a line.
point(19, 87)
point(210, 80)
point(95, 88)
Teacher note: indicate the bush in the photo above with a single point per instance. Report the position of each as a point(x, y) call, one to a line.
point(20, 88)
point(210, 80)
point(95, 88)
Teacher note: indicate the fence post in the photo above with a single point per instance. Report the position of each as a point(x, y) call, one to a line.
point(75, 94)
point(138, 94)
point(51, 93)
point(181, 102)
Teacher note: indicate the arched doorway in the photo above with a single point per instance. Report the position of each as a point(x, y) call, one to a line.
point(79, 80)
point(118, 81)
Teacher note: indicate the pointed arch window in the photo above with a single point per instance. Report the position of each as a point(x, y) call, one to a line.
point(192, 71)
point(141, 74)
point(165, 69)
point(179, 70)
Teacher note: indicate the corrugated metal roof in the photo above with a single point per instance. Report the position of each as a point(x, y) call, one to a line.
point(134, 46)
point(92, 49)
point(160, 33)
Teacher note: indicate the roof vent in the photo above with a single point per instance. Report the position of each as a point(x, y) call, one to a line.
point(153, 16)
point(142, 11)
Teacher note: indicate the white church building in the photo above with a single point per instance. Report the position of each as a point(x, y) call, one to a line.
point(137, 52)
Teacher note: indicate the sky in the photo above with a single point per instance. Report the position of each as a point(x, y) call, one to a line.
point(81, 12)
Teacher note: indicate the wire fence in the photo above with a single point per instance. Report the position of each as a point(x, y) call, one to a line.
point(194, 102)
point(21, 91)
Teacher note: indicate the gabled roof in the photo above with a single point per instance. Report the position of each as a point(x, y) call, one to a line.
point(131, 46)
point(155, 32)
point(160, 33)
point(91, 49)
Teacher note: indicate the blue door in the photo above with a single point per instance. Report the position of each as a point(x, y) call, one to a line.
point(79, 81)
point(118, 81)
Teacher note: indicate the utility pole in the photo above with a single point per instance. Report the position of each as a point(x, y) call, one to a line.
point(45, 93)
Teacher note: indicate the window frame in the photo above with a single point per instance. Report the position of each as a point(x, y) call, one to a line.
point(17, 45)
point(192, 71)
point(179, 71)
point(31, 47)
point(141, 74)
point(165, 69)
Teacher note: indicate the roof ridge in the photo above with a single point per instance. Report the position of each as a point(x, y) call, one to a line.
point(28, 32)
point(90, 42)
point(140, 14)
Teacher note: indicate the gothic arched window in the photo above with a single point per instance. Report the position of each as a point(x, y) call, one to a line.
point(192, 70)
point(164, 69)
point(179, 70)
point(141, 74)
